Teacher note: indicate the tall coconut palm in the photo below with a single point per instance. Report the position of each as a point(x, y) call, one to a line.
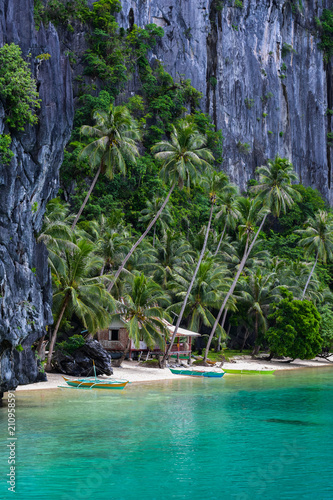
point(56, 232)
point(276, 193)
point(210, 282)
point(142, 309)
point(214, 182)
point(115, 143)
point(317, 239)
point(149, 213)
point(182, 157)
point(112, 240)
point(257, 291)
point(251, 212)
point(80, 290)
point(229, 211)
point(172, 251)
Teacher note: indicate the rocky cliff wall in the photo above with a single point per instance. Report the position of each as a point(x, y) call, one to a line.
point(25, 187)
point(262, 75)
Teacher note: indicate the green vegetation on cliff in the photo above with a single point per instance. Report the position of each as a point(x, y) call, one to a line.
point(212, 246)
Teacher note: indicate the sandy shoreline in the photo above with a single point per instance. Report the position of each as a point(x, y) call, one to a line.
point(132, 372)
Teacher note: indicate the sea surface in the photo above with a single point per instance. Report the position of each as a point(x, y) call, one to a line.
point(236, 438)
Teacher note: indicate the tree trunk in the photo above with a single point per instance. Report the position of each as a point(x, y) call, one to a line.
point(256, 347)
point(55, 332)
point(122, 358)
point(221, 239)
point(180, 317)
point(247, 252)
point(154, 236)
point(141, 238)
point(246, 336)
point(222, 326)
point(310, 276)
point(230, 292)
point(40, 347)
point(87, 197)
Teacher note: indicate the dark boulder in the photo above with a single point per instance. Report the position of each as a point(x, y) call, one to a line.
point(80, 362)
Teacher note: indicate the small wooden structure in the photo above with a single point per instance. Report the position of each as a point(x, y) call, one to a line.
point(115, 339)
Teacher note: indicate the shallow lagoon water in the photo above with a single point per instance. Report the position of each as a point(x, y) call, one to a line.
point(237, 438)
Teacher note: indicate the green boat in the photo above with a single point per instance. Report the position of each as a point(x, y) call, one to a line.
point(95, 383)
point(249, 372)
point(197, 373)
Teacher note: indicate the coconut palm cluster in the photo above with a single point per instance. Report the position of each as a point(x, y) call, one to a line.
point(221, 275)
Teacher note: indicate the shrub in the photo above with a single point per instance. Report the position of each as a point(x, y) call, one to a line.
point(330, 139)
point(249, 103)
point(286, 49)
point(244, 147)
point(5, 153)
point(17, 88)
point(295, 328)
point(70, 345)
point(325, 24)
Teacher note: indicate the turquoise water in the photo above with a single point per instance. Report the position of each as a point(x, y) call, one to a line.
point(236, 438)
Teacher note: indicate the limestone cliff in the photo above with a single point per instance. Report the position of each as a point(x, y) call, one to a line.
point(262, 75)
point(25, 187)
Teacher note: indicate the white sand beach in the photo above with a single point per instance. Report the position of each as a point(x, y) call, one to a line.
point(134, 372)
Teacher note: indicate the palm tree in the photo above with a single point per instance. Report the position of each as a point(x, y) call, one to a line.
point(181, 157)
point(276, 193)
point(80, 289)
point(229, 211)
point(251, 212)
point(214, 183)
point(172, 251)
point(57, 235)
point(209, 283)
point(115, 135)
point(149, 213)
point(111, 238)
point(142, 311)
point(257, 292)
point(317, 238)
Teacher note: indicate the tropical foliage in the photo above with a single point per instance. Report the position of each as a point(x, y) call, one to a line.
point(295, 328)
point(165, 227)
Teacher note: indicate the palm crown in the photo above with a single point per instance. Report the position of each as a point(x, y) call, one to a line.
point(115, 133)
point(274, 187)
point(183, 155)
point(317, 237)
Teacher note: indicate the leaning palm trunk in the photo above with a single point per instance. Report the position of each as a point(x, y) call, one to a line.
point(247, 252)
point(55, 332)
point(140, 239)
point(310, 276)
point(256, 347)
point(230, 292)
point(180, 317)
point(221, 239)
point(222, 326)
point(123, 356)
point(87, 197)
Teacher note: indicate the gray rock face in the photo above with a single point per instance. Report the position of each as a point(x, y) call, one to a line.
point(26, 185)
point(262, 75)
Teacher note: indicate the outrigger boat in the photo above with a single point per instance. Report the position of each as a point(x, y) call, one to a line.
point(90, 383)
point(249, 372)
point(197, 373)
point(94, 383)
